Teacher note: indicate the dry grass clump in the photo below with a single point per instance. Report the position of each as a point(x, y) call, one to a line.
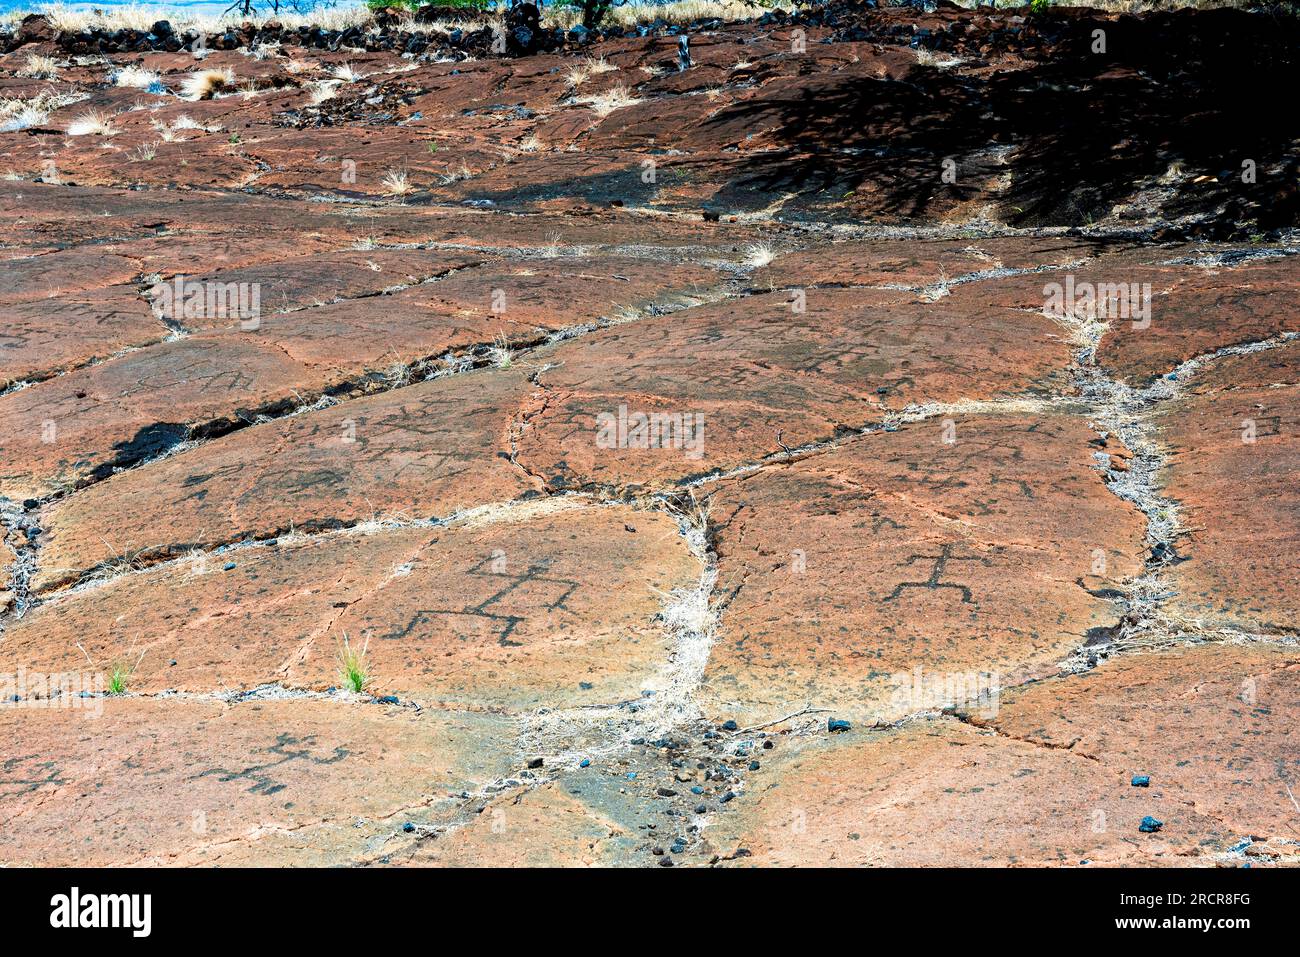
point(758, 255)
point(938, 61)
point(396, 183)
point(18, 115)
point(140, 16)
point(606, 102)
point(129, 16)
point(500, 354)
point(205, 84)
point(93, 123)
point(461, 172)
point(21, 114)
point(320, 91)
point(170, 134)
point(344, 73)
point(269, 50)
point(40, 67)
point(135, 77)
point(589, 67)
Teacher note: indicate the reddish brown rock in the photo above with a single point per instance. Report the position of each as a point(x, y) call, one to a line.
point(938, 794)
point(1208, 309)
point(62, 431)
point(542, 827)
point(547, 604)
point(431, 450)
point(764, 378)
point(62, 273)
point(1046, 781)
point(84, 424)
point(919, 262)
point(1234, 456)
point(224, 628)
point(556, 208)
point(292, 284)
point(1162, 306)
point(847, 573)
point(196, 782)
point(541, 611)
point(195, 253)
point(39, 339)
point(1213, 726)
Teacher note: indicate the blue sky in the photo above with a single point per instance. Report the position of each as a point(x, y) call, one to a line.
point(197, 6)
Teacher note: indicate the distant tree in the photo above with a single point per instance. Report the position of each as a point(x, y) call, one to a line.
point(593, 12)
point(246, 8)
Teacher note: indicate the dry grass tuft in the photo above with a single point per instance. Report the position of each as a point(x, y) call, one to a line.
point(205, 84)
point(136, 77)
point(500, 354)
point(589, 67)
point(938, 61)
point(758, 255)
point(344, 73)
point(396, 183)
point(19, 114)
point(93, 123)
point(40, 67)
point(615, 98)
point(319, 92)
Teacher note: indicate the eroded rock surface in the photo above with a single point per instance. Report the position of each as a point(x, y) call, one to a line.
point(1044, 778)
point(417, 456)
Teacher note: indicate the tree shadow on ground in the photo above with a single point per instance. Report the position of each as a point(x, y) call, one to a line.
point(1174, 97)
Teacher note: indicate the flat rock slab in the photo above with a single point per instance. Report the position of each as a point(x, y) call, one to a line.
point(1213, 726)
point(61, 273)
point(39, 339)
point(556, 610)
point(760, 377)
point(846, 574)
point(1209, 308)
point(427, 451)
point(551, 603)
point(549, 294)
point(66, 430)
point(175, 781)
point(642, 401)
point(291, 284)
point(201, 251)
point(547, 826)
point(1234, 454)
point(920, 262)
point(1046, 780)
point(1196, 302)
point(112, 415)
